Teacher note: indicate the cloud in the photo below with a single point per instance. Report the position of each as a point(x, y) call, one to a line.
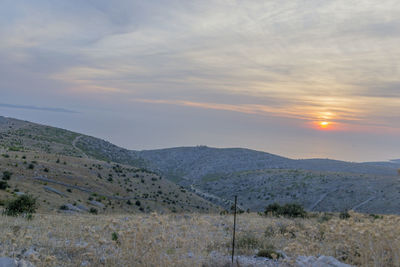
point(286, 58)
point(37, 108)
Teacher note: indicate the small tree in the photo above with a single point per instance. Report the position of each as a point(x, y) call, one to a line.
point(22, 205)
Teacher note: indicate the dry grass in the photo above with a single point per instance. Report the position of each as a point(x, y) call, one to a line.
point(188, 239)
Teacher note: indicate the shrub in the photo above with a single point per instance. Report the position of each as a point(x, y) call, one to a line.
point(6, 175)
point(114, 236)
point(324, 217)
point(3, 185)
point(344, 215)
point(375, 217)
point(247, 241)
point(23, 205)
point(288, 210)
point(63, 207)
point(269, 252)
point(93, 210)
point(274, 209)
point(31, 166)
point(137, 203)
point(69, 190)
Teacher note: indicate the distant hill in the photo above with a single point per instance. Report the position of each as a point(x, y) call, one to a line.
point(195, 162)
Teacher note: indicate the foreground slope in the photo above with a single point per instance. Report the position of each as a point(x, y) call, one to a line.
point(197, 240)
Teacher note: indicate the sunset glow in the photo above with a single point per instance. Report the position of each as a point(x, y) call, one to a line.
point(255, 68)
point(324, 125)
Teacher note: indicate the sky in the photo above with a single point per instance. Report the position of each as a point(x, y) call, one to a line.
point(302, 79)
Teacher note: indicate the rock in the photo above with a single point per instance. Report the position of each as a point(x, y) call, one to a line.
point(68, 211)
point(51, 189)
point(80, 206)
point(96, 203)
point(31, 252)
point(10, 262)
point(330, 261)
point(322, 261)
point(283, 254)
point(19, 193)
point(23, 263)
point(73, 208)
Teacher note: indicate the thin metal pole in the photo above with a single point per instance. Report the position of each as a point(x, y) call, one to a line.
point(234, 230)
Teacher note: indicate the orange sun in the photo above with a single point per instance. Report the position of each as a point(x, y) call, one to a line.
point(324, 124)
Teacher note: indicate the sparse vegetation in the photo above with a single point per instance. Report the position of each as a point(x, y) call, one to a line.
point(148, 238)
point(344, 215)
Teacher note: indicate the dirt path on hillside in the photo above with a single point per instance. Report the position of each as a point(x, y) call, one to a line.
point(80, 150)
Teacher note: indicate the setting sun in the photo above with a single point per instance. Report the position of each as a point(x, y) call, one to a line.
point(325, 125)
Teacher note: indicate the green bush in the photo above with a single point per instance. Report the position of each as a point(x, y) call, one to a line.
point(7, 175)
point(375, 217)
point(93, 210)
point(3, 185)
point(274, 209)
point(288, 210)
point(22, 205)
point(114, 236)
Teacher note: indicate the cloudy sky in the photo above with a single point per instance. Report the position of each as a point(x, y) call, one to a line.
point(296, 78)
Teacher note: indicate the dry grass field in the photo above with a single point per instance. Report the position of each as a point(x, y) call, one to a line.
point(190, 239)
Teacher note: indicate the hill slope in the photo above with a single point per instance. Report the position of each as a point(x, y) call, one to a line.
point(258, 178)
point(45, 162)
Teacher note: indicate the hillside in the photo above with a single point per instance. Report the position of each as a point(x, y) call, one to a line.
point(43, 161)
point(317, 191)
point(215, 174)
point(193, 163)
